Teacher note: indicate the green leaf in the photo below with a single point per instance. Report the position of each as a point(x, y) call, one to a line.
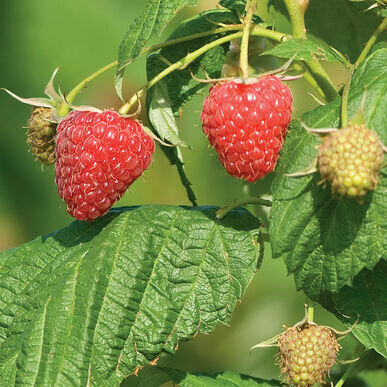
point(161, 116)
point(327, 241)
point(239, 6)
point(156, 15)
point(304, 50)
point(366, 298)
point(339, 23)
point(94, 302)
point(221, 379)
point(181, 86)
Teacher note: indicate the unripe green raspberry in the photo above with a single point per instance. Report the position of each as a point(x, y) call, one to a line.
point(307, 354)
point(41, 135)
point(350, 160)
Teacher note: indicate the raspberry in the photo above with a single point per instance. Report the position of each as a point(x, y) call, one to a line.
point(98, 156)
point(247, 124)
point(350, 160)
point(41, 135)
point(307, 354)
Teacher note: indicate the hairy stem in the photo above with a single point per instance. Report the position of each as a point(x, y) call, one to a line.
point(184, 62)
point(344, 101)
point(296, 10)
point(244, 55)
point(222, 212)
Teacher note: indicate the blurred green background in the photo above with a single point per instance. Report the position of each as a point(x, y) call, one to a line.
point(81, 36)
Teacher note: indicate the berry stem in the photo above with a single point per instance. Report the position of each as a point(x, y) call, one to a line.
point(244, 55)
point(222, 212)
point(64, 108)
point(310, 314)
point(347, 374)
point(344, 102)
point(184, 62)
point(296, 10)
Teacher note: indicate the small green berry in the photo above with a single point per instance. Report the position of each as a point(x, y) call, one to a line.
point(350, 160)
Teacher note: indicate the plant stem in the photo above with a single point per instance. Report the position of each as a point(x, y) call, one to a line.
point(296, 10)
point(244, 54)
point(184, 62)
point(222, 212)
point(346, 375)
point(344, 101)
point(64, 108)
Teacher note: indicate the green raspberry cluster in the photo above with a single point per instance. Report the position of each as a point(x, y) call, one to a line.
point(307, 354)
point(350, 160)
point(41, 135)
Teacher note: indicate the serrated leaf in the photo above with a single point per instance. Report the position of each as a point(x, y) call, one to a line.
point(161, 116)
point(181, 86)
point(327, 241)
point(156, 15)
point(221, 379)
point(339, 23)
point(94, 302)
point(304, 50)
point(366, 298)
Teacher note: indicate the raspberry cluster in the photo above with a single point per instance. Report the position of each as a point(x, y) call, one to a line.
point(307, 354)
point(98, 156)
point(350, 160)
point(247, 124)
point(41, 135)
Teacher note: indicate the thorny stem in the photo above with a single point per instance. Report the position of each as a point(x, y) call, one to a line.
point(222, 212)
point(344, 102)
point(64, 108)
point(296, 10)
point(184, 62)
point(244, 54)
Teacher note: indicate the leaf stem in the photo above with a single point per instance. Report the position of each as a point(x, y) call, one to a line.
point(348, 373)
point(222, 212)
point(184, 62)
point(344, 101)
point(244, 54)
point(296, 10)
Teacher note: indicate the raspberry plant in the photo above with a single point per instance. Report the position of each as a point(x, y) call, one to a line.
point(110, 294)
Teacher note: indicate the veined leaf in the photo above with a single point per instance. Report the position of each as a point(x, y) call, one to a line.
point(327, 241)
point(304, 50)
point(152, 21)
point(366, 299)
point(94, 302)
point(221, 379)
point(161, 116)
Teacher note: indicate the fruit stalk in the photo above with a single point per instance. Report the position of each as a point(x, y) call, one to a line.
point(244, 61)
point(184, 62)
point(296, 10)
point(222, 212)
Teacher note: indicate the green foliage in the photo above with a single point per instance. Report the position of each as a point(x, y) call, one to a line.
point(339, 23)
point(303, 50)
point(150, 23)
point(328, 242)
point(93, 302)
point(222, 379)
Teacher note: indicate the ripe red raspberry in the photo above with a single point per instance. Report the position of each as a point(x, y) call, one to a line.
point(247, 124)
point(98, 156)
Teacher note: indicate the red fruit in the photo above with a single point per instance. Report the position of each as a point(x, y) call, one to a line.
point(98, 156)
point(247, 124)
